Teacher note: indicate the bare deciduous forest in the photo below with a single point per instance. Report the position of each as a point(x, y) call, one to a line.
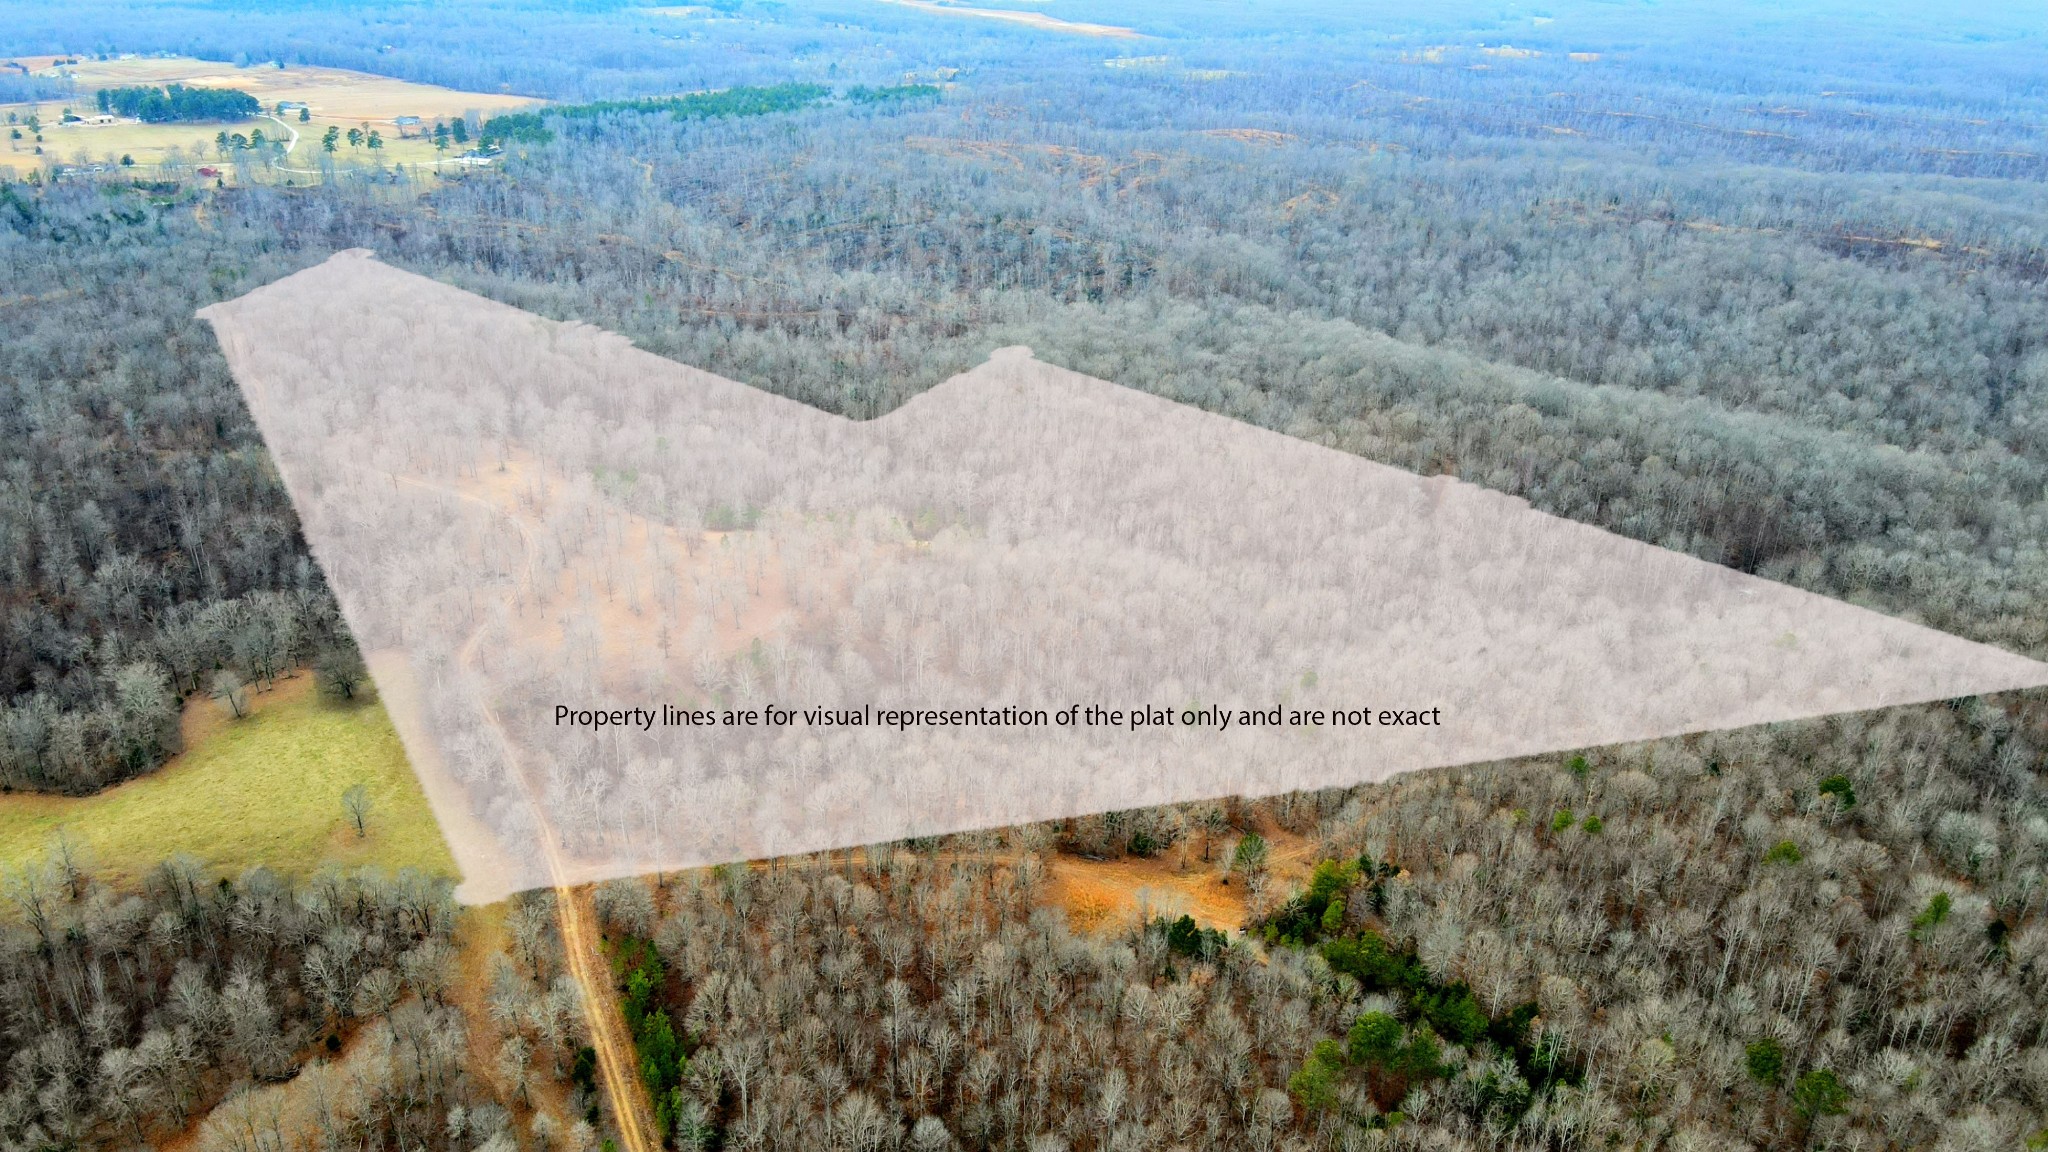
point(131, 1015)
point(1687, 945)
point(537, 517)
point(1766, 291)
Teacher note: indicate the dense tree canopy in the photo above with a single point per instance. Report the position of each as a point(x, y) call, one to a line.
point(176, 102)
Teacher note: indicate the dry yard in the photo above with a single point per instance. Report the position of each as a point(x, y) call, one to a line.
point(332, 96)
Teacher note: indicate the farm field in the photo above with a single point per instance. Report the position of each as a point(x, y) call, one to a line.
point(333, 97)
point(262, 790)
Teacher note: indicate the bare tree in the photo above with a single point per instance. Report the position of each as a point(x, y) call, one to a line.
point(356, 802)
point(340, 670)
point(228, 689)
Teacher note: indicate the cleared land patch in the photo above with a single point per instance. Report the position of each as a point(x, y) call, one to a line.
point(333, 97)
point(265, 790)
point(1100, 895)
point(1038, 20)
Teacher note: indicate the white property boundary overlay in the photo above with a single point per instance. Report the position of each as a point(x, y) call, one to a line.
point(517, 514)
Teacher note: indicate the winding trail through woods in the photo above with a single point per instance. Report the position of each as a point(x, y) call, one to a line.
point(616, 1064)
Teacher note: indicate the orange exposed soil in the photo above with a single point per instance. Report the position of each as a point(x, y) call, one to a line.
point(1110, 895)
point(480, 936)
point(1314, 199)
point(1102, 895)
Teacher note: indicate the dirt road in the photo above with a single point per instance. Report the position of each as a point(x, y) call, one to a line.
point(616, 1063)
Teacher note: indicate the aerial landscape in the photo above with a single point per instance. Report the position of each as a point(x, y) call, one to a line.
point(1043, 575)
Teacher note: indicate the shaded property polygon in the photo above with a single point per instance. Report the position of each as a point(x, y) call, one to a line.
point(521, 517)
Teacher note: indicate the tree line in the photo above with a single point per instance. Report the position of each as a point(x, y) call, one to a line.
point(744, 100)
point(146, 541)
point(175, 103)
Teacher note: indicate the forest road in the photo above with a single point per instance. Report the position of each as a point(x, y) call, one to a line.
point(616, 1065)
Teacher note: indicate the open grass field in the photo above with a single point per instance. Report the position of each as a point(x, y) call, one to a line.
point(265, 789)
point(333, 96)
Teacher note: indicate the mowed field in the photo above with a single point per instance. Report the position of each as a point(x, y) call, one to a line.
point(333, 96)
point(265, 789)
